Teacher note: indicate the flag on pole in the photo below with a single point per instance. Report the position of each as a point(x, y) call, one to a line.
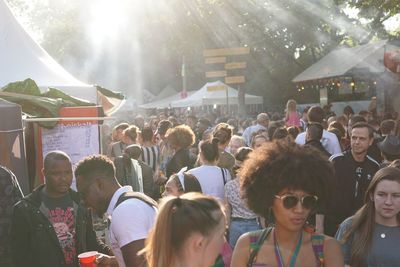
point(183, 74)
point(392, 60)
point(183, 68)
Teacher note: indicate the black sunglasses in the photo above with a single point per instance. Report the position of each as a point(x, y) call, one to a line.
point(290, 201)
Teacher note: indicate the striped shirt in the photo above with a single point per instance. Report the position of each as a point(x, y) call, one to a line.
point(151, 156)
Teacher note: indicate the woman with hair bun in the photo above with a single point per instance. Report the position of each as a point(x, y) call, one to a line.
point(223, 132)
point(211, 177)
point(189, 231)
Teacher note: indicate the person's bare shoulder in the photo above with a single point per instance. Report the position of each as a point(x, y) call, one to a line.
point(333, 256)
point(241, 252)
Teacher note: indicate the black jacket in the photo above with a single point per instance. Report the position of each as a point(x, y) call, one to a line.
point(34, 241)
point(182, 158)
point(352, 179)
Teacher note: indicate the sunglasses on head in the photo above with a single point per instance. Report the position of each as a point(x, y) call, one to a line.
point(290, 201)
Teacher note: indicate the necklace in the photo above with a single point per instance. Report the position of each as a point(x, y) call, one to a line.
point(295, 253)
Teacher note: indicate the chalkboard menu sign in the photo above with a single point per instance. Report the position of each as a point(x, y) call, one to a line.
point(75, 136)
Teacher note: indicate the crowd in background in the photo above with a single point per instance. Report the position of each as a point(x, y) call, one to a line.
point(285, 185)
point(206, 153)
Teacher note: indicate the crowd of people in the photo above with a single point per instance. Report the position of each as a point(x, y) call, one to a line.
point(307, 188)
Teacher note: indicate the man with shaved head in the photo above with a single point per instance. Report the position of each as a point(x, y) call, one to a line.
point(50, 227)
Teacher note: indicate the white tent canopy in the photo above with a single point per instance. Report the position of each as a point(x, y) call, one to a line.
point(344, 60)
point(166, 92)
point(204, 97)
point(21, 58)
point(164, 103)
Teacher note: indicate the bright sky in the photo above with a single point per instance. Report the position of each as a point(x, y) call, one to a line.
point(391, 24)
point(114, 25)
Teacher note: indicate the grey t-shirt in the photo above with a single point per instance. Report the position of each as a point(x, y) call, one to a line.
point(385, 245)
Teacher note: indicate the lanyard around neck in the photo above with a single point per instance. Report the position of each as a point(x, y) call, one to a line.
point(278, 252)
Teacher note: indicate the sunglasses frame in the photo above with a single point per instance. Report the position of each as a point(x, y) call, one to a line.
point(299, 199)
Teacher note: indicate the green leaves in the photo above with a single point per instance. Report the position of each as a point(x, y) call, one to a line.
point(47, 105)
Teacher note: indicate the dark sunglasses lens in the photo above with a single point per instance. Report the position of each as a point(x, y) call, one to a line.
point(290, 201)
point(309, 202)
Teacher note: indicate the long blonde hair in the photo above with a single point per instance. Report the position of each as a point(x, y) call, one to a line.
point(177, 219)
point(291, 106)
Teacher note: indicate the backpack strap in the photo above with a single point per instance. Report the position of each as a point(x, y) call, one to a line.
point(127, 195)
point(317, 242)
point(223, 175)
point(257, 239)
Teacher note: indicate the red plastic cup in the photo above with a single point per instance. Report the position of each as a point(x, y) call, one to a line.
point(88, 259)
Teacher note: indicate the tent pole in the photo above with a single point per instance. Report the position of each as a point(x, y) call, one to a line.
point(227, 101)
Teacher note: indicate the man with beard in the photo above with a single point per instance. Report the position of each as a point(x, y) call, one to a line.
point(131, 214)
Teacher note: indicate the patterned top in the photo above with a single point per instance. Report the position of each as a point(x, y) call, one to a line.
point(239, 207)
point(151, 156)
point(317, 242)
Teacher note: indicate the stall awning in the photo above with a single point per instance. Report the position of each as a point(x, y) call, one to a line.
point(344, 60)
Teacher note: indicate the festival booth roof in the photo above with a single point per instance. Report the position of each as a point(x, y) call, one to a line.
point(22, 58)
point(204, 97)
point(347, 61)
point(166, 102)
point(166, 92)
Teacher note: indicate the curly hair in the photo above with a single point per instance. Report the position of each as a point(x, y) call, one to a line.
point(180, 136)
point(282, 165)
point(95, 165)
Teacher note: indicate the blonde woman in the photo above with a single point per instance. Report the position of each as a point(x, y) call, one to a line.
point(292, 117)
point(189, 231)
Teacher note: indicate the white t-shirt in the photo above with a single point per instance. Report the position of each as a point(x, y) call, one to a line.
point(329, 141)
point(211, 180)
point(130, 221)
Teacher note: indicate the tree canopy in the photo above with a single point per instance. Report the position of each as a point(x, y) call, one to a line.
point(146, 50)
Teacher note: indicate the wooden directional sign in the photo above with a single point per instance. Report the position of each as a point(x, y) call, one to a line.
point(235, 65)
point(234, 79)
point(226, 52)
point(215, 60)
point(216, 74)
point(219, 56)
point(216, 88)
